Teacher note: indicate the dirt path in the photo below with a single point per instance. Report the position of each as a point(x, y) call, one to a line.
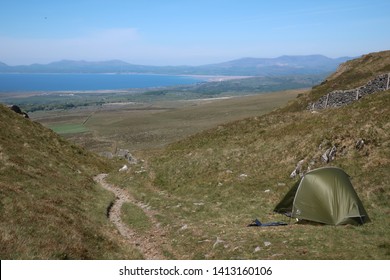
point(151, 244)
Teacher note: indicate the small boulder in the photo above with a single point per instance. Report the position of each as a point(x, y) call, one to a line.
point(329, 154)
point(298, 169)
point(124, 168)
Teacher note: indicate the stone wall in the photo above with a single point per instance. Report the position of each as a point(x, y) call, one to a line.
point(340, 98)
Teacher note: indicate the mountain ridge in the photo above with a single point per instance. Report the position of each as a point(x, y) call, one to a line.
point(282, 65)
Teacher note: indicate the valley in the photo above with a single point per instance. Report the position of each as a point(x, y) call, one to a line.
point(201, 170)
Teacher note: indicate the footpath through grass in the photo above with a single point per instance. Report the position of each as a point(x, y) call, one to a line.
point(50, 208)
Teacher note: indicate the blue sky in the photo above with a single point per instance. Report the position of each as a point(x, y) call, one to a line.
point(172, 32)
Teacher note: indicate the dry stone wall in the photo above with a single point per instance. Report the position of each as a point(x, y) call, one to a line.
point(340, 98)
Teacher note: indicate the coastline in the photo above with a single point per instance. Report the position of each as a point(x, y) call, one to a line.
point(216, 78)
point(34, 92)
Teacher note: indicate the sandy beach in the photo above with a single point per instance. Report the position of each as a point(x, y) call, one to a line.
point(217, 78)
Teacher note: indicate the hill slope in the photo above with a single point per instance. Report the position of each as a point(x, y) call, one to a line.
point(349, 75)
point(208, 187)
point(50, 207)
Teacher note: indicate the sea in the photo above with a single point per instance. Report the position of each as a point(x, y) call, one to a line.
point(21, 82)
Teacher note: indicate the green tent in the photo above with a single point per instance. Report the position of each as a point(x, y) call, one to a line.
point(324, 195)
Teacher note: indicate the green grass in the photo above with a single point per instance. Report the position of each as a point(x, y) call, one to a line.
point(68, 128)
point(135, 218)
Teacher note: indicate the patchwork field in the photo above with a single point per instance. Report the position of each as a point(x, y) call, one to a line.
point(68, 128)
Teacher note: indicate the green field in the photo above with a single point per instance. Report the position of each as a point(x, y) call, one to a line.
point(68, 128)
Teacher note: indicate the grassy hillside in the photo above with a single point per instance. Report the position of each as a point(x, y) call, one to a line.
point(349, 75)
point(208, 187)
point(50, 207)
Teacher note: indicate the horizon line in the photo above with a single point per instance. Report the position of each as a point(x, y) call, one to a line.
point(177, 65)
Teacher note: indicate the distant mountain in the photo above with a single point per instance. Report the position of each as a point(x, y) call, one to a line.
point(283, 65)
point(283, 61)
point(4, 67)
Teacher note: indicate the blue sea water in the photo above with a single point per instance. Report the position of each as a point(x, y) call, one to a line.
point(16, 82)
